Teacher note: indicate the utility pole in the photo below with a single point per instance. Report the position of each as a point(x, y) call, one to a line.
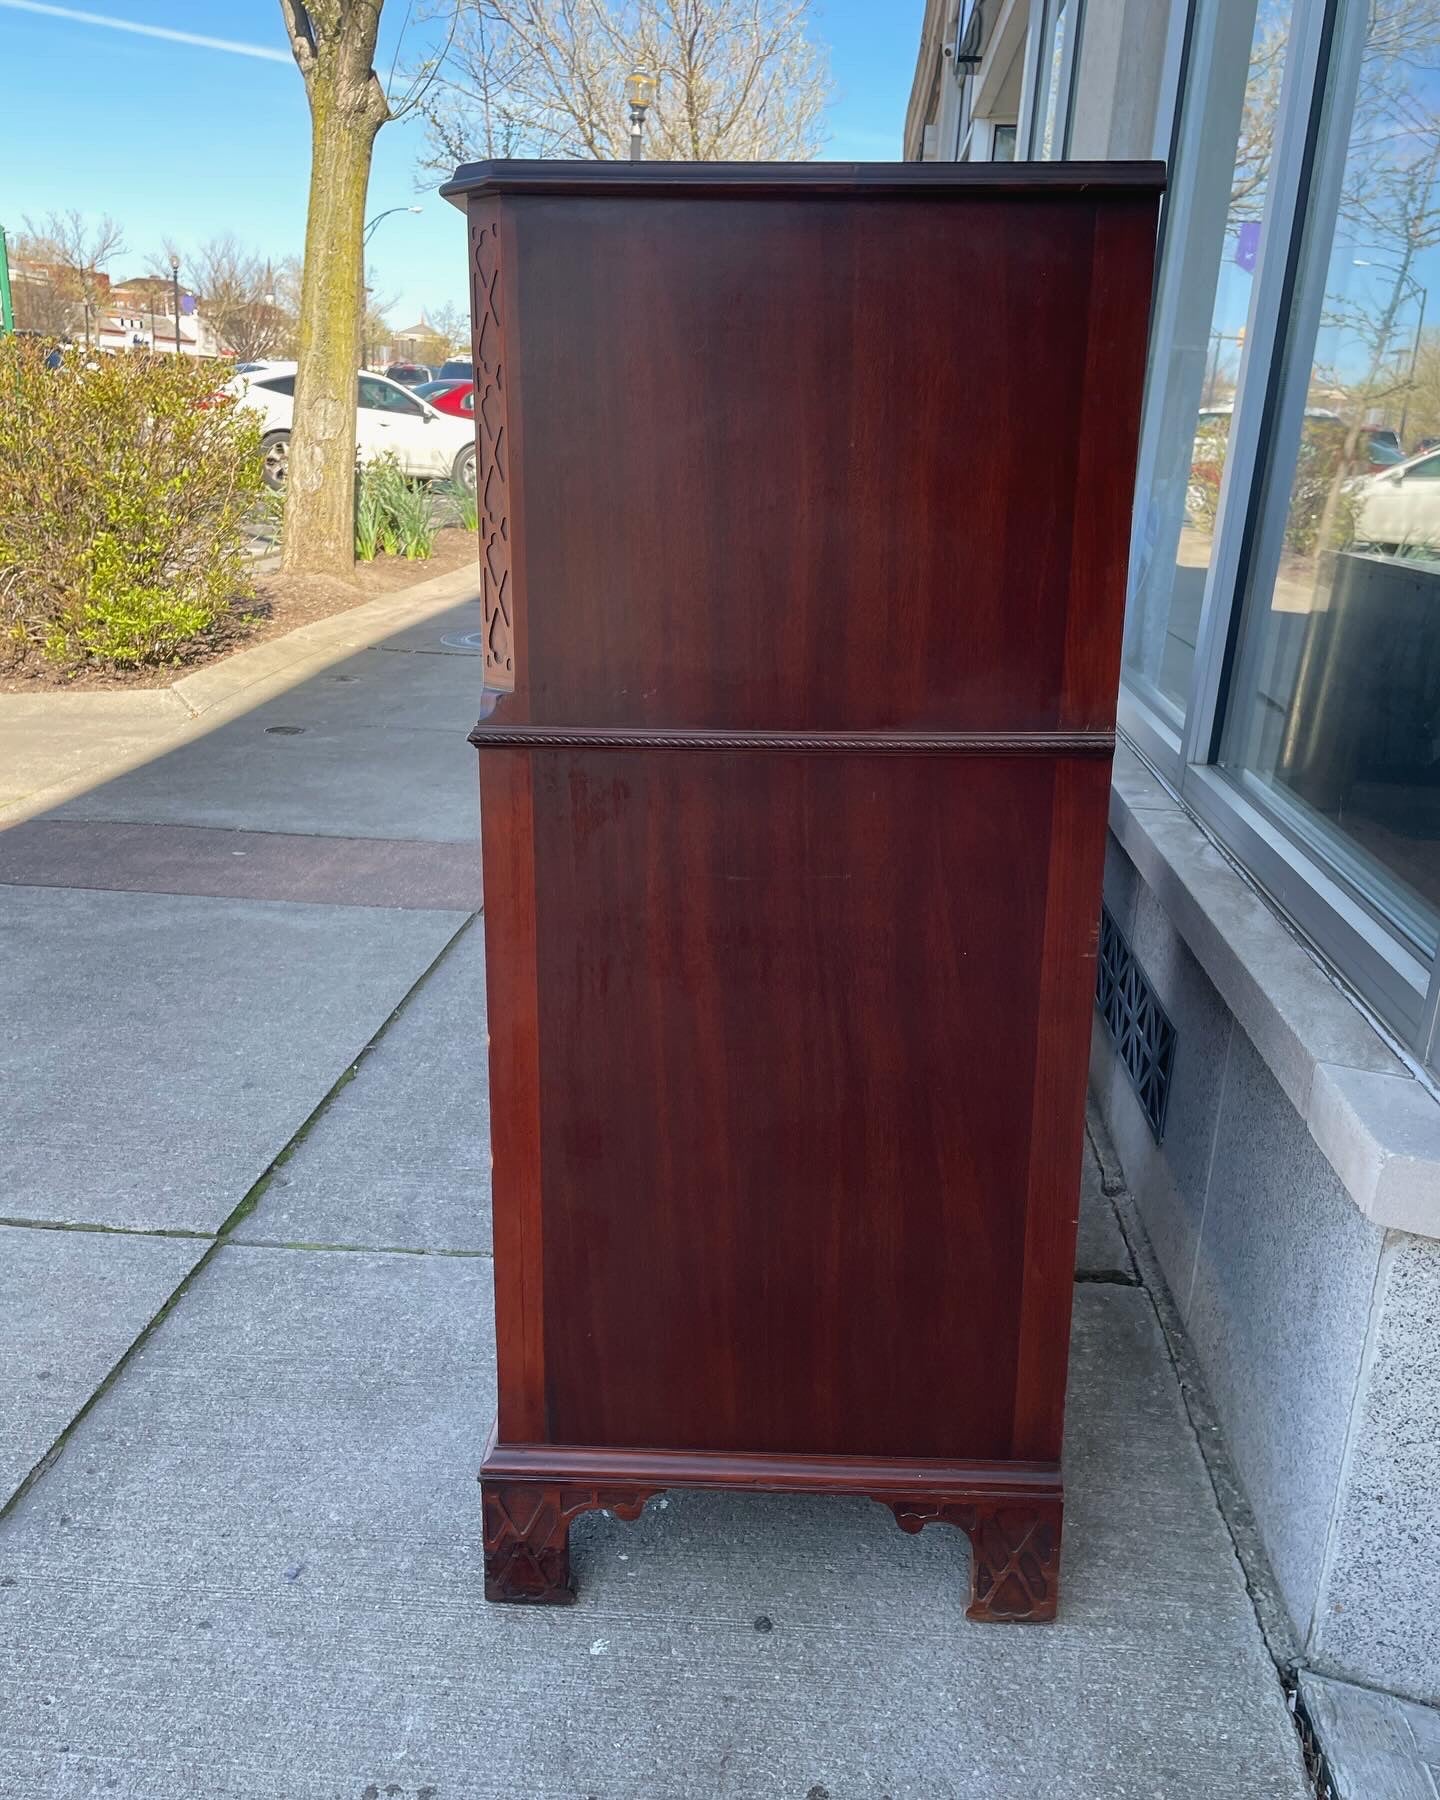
point(175, 294)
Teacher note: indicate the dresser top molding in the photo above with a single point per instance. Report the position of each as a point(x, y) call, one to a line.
point(790, 180)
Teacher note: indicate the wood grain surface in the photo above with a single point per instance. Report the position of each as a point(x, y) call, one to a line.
point(815, 508)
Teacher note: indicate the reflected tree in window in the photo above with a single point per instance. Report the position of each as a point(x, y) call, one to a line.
point(1334, 718)
point(1256, 144)
point(1389, 218)
point(1211, 253)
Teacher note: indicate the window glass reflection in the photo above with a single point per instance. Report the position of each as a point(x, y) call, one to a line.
point(1192, 380)
point(1335, 718)
point(1052, 66)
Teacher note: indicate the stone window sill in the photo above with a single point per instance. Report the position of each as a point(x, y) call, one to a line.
point(1376, 1124)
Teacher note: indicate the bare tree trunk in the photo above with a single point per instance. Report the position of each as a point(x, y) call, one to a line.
point(333, 41)
point(320, 478)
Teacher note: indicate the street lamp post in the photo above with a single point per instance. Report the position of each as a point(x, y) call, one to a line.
point(640, 92)
point(370, 227)
point(365, 291)
point(1212, 366)
point(268, 300)
point(175, 296)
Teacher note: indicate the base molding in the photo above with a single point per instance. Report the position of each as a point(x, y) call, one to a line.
point(1012, 1513)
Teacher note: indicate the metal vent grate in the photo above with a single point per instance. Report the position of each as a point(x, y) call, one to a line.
point(1137, 1022)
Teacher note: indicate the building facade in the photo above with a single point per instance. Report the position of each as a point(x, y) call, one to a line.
point(1266, 1048)
point(91, 309)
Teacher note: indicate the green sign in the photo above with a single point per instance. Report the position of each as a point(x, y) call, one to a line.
point(7, 311)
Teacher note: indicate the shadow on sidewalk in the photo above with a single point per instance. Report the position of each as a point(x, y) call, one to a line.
point(242, 1289)
point(351, 783)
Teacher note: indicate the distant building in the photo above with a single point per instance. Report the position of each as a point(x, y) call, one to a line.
point(421, 342)
point(145, 319)
point(413, 339)
point(137, 314)
point(48, 298)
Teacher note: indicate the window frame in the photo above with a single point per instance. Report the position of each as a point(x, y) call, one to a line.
point(1311, 143)
point(1156, 720)
point(1070, 77)
point(1035, 89)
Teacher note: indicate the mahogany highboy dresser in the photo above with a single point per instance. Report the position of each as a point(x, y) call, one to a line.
point(804, 509)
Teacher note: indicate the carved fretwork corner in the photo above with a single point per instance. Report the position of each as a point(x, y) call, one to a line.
point(492, 474)
point(1015, 1551)
point(527, 1535)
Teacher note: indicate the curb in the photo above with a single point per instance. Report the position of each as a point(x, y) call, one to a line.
point(356, 628)
point(142, 723)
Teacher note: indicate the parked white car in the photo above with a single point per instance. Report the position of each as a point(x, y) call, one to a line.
point(389, 419)
point(1401, 506)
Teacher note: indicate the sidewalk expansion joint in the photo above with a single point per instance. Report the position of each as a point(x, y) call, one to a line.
point(217, 1241)
point(104, 1385)
point(239, 1243)
point(1231, 1502)
point(171, 1233)
point(1236, 1515)
point(246, 1205)
point(1109, 1277)
point(145, 1231)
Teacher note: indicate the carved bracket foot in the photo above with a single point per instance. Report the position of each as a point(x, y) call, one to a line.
point(1015, 1551)
point(527, 1535)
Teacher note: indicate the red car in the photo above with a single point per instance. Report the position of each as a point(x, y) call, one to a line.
point(457, 397)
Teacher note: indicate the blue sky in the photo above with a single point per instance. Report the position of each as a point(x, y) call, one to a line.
point(182, 141)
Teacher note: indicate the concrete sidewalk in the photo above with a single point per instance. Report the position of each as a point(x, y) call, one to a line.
point(245, 1313)
point(197, 939)
point(58, 747)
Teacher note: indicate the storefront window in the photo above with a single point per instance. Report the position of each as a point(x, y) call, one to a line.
point(1334, 719)
point(1214, 232)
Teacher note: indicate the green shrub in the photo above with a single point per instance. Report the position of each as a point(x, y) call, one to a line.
point(124, 490)
point(392, 513)
point(1321, 471)
point(369, 512)
point(412, 516)
point(1318, 484)
point(466, 503)
point(269, 511)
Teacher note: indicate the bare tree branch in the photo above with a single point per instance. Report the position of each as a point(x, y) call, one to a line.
point(301, 34)
point(425, 73)
point(72, 253)
point(738, 80)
